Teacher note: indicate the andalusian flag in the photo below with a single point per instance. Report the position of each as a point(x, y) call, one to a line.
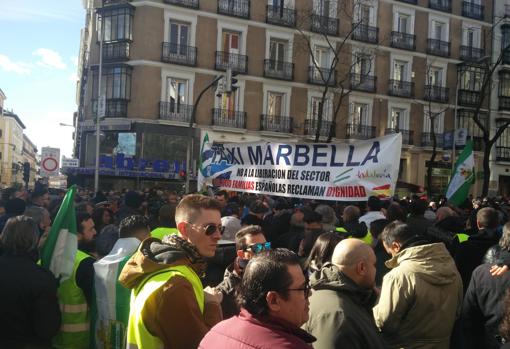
point(463, 176)
point(60, 248)
point(204, 162)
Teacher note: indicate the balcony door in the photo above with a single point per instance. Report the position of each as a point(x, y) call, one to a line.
point(177, 95)
point(230, 46)
point(399, 71)
point(359, 115)
point(275, 107)
point(325, 8)
point(362, 65)
point(179, 37)
point(398, 119)
point(471, 37)
point(315, 107)
point(277, 52)
point(435, 77)
point(438, 31)
point(403, 23)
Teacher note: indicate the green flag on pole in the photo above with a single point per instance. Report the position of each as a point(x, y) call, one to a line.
point(60, 248)
point(463, 176)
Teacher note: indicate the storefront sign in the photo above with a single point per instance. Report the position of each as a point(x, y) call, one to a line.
point(343, 172)
point(70, 162)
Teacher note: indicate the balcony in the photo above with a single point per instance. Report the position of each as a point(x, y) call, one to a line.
point(324, 25)
point(401, 88)
point(115, 107)
point(504, 103)
point(116, 51)
point(506, 56)
point(471, 54)
point(414, 2)
point(503, 154)
point(359, 131)
point(238, 63)
point(280, 15)
point(229, 118)
point(407, 135)
point(441, 5)
point(115, 2)
point(365, 33)
point(184, 3)
point(276, 123)
point(175, 112)
point(321, 76)
point(278, 70)
point(426, 140)
point(472, 10)
point(178, 54)
point(234, 8)
point(403, 41)
point(469, 98)
point(363, 82)
point(311, 128)
point(438, 47)
point(436, 93)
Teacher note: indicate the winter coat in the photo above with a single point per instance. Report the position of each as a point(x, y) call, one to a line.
point(171, 313)
point(341, 312)
point(419, 224)
point(228, 286)
point(355, 229)
point(256, 332)
point(30, 314)
point(420, 298)
point(471, 252)
point(482, 310)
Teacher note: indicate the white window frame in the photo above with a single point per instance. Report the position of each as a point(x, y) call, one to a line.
point(373, 13)
point(332, 10)
point(477, 43)
point(404, 58)
point(405, 107)
point(405, 11)
point(324, 44)
point(438, 64)
point(436, 18)
point(177, 74)
point(360, 100)
point(359, 51)
point(287, 91)
point(329, 105)
point(270, 34)
point(439, 121)
point(286, 3)
point(228, 26)
point(182, 17)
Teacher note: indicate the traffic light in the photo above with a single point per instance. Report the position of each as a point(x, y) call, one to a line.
point(26, 172)
point(230, 81)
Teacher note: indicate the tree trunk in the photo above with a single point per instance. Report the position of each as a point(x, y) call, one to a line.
point(486, 166)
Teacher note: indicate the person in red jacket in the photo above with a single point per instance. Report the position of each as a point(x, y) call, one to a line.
point(273, 296)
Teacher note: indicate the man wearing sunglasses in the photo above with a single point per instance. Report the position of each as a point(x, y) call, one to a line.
point(169, 308)
point(250, 240)
point(273, 295)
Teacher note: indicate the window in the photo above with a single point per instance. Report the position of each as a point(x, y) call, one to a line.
point(403, 23)
point(322, 57)
point(471, 78)
point(230, 42)
point(117, 24)
point(505, 36)
point(179, 36)
point(229, 104)
point(504, 139)
point(275, 103)
point(315, 105)
point(277, 54)
point(465, 120)
point(364, 13)
point(177, 94)
point(438, 121)
point(435, 77)
point(504, 83)
point(398, 119)
point(438, 30)
point(471, 36)
point(115, 82)
point(325, 8)
point(359, 114)
point(362, 64)
point(399, 70)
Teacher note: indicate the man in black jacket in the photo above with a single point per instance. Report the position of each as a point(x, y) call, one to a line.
point(28, 296)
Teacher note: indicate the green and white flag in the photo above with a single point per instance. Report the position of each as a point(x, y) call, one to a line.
point(204, 162)
point(60, 248)
point(463, 176)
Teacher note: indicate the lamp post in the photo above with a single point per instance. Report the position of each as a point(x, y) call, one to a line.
point(101, 104)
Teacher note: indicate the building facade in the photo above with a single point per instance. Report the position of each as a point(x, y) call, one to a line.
point(30, 156)
point(11, 149)
point(368, 67)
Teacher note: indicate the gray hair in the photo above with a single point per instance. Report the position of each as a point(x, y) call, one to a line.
point(20, 235)
point(327, 213)
point(504, 242)
point(36, 213)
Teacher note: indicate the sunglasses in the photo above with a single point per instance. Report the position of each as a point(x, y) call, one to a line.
point(210, 229)
point(257, 248)
point(307, 289)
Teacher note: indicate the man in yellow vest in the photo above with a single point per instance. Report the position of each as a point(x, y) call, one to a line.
point(169, 308)
point(352, 228)
point(166, 222)
point(75, 294)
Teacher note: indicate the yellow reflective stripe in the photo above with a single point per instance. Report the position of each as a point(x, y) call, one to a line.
point(462, 237)
point(73, 308)
point(75, 327)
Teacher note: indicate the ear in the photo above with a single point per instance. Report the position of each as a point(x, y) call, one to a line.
point(273, 301)
point(361, 268)
point(182, 228)
point(395, 246)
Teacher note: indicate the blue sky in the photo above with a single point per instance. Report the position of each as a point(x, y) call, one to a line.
point(38, 61)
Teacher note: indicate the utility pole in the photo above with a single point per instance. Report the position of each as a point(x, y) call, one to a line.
point(101, 104)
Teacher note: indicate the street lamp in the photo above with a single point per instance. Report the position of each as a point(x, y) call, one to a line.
point(67, 125)
point(101, 102)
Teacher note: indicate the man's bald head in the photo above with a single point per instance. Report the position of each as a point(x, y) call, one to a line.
point(444, 212)
point(357, 260)
point(351, 213)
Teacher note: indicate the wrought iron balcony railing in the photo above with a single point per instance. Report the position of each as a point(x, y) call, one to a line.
point(179, 54)
point(115, 107)
point(278, 69)
point(281, 15)
point(312, 124)
point(116, 51)
point(502, 153)
point(276, 123)
point(229, 118)
point(365, 83)
point(403, 41)
point(472, 10)
point(427, 141)
point(407, 135)
point(360, 131)
point(324, 25)
point(438, 47)
point(184, 3)
point(365, 33)
point(235, 8)
point(441, 5)
point(175, 112)
point(504, 103)
point(436, 93)
point(469, 98)
point(401, 88)
point(238, 63)
point(321, 76)
point(470, 53)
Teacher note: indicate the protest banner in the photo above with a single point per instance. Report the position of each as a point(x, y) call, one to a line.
point(323, 171)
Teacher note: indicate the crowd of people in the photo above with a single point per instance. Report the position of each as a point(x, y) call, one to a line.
point(237, 270)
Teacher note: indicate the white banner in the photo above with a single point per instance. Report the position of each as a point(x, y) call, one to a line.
point(325, 171)
point(50, 159)
point(66, 162)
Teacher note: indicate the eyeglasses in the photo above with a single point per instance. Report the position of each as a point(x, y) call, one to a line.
point(257, 248)
point(307, 289)
point(210, 229)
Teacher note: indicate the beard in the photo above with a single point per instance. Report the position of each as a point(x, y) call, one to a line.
point(88, 246)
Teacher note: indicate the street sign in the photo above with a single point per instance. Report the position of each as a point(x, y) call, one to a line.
point(70, 162)
point(460, 137)
point(49, 162)
point(101, 106)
